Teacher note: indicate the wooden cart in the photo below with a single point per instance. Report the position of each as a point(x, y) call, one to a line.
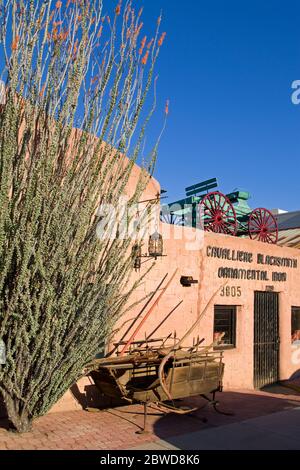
point(158, 375)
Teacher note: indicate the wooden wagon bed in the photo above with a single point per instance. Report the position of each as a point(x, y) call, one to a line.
point(137, 378)
point(160, 371)
point(160, 376)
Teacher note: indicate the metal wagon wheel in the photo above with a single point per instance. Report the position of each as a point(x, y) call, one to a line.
point(262, 226)
point(217, 214)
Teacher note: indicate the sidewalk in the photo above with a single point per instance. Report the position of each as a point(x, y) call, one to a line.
point(257, 418)
point(278, 431)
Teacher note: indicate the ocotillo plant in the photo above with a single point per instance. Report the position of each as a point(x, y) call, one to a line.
point(62, 287)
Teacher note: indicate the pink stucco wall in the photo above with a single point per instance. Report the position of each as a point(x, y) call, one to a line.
point(196, 263)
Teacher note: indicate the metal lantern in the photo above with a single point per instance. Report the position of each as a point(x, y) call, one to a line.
point(155, 247)
point(137, 256)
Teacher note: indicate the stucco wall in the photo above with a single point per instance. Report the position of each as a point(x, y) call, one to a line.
point(239, 361)
point(196, 263)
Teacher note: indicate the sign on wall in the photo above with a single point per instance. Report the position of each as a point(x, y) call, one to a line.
point(265, 261)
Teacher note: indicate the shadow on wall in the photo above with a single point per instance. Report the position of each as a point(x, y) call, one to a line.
point(89, 398)
point(92, 398)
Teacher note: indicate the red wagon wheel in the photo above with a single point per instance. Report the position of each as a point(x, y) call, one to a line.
point(217, 214)
point(262, 226)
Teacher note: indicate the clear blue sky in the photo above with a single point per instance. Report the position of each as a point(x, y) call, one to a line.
point(227, 68)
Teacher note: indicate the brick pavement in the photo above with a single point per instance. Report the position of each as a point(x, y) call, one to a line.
point(116, 428)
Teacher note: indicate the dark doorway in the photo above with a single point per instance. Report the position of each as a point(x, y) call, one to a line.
point(266, 338)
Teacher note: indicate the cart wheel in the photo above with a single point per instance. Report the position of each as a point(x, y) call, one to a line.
point(217, 214)
point(262, 226)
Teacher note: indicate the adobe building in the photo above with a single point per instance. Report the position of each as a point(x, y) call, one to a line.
point(249, 288)
point(250, 291)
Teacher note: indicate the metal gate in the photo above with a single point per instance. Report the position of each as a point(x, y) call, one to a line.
point(266, 339)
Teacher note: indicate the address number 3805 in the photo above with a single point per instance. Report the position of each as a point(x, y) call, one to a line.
point(231, 291)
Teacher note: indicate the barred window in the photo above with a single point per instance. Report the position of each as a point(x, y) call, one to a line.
point(225, 326)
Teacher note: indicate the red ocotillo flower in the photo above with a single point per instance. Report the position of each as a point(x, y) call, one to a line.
point(167, 107)
point(145, 58)
point(138, 29)
point(143, 43)
point(58, 4)
point(14, 45)
point(43, 90)
point(161, 40)
point(150, 43)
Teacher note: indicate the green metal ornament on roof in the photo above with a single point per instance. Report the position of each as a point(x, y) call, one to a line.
point(212, 211)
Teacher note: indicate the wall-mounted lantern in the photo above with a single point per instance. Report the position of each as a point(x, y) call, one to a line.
point(187, 281)
point(155, 250)
point(156, 246)
point(155, 243)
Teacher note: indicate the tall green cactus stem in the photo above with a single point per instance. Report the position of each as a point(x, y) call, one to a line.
point(62, 289)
